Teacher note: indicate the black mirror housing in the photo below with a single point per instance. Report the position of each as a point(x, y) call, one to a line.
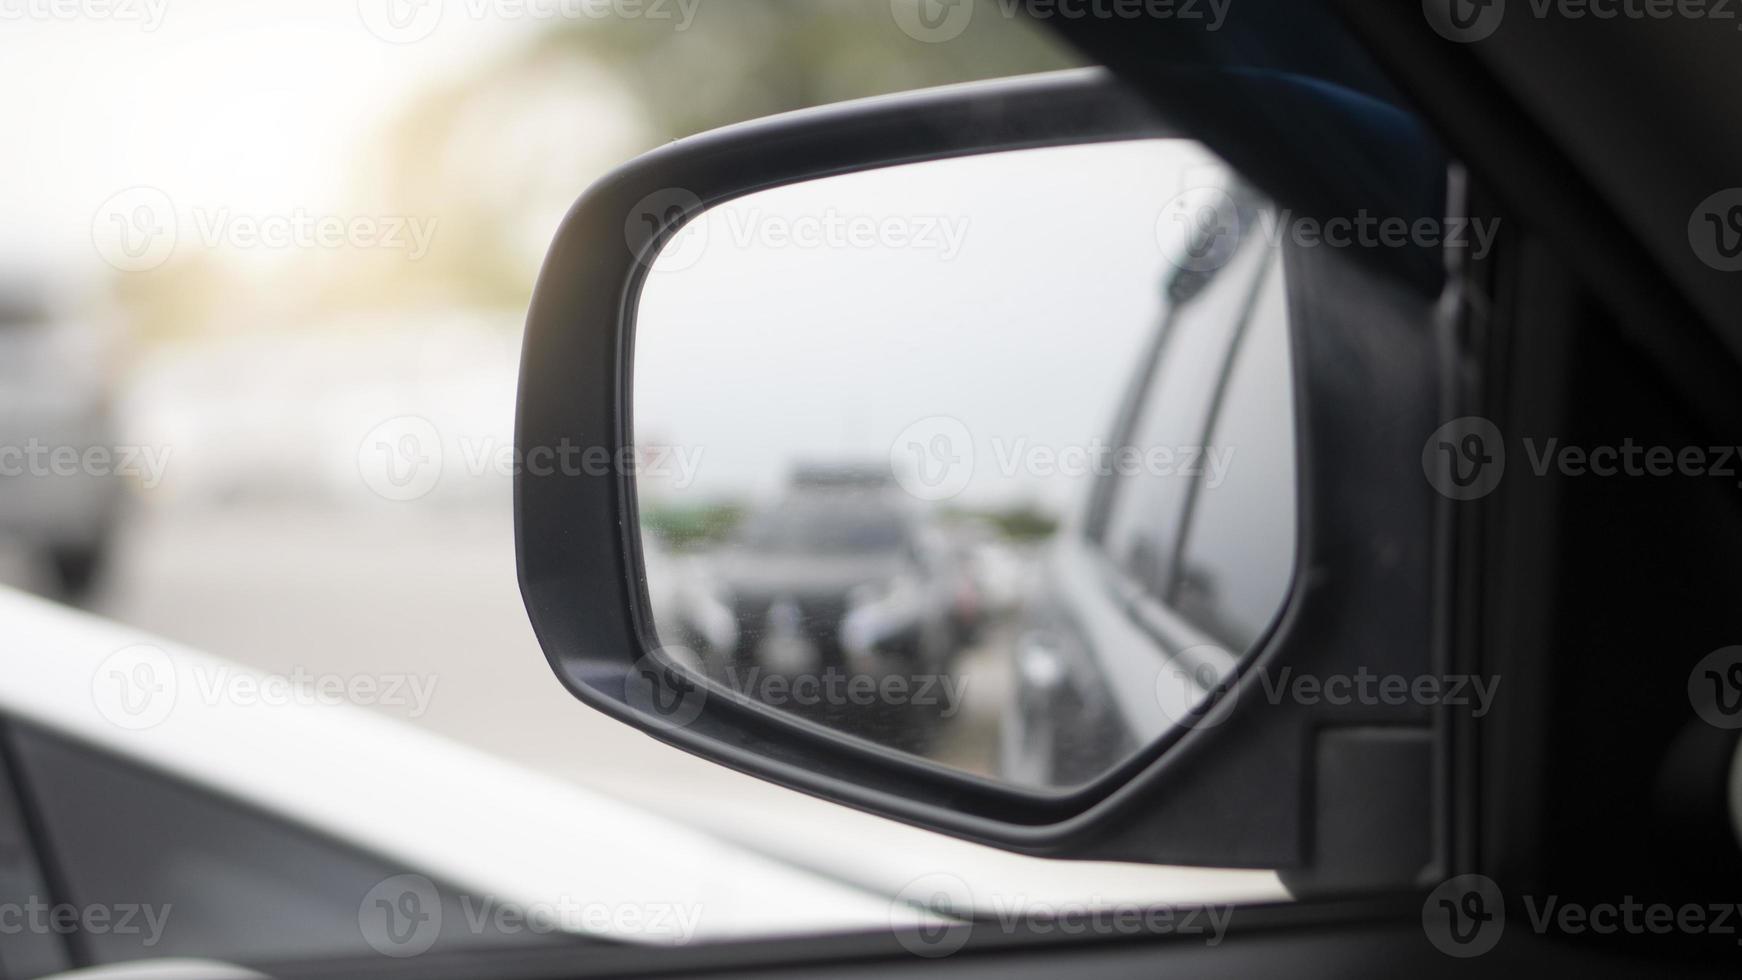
point(1250, 791)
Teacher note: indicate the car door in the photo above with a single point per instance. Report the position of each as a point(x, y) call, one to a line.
point(179, 871)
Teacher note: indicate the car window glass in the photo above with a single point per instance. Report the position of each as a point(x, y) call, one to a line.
point(1238, 549)
point(1142, 522)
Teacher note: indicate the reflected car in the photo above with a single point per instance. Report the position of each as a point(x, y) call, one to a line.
point(841, 574)
point(1150, 598)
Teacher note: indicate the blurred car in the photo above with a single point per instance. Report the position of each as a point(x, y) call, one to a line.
point(687, 614)
point(60, 471)
point(840, 574)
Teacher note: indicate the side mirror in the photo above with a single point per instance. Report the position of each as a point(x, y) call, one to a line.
point(1023, 327)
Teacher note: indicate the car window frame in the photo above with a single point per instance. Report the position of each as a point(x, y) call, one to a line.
point(1106, 492)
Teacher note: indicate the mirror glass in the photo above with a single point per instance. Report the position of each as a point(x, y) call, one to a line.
point(989, 460)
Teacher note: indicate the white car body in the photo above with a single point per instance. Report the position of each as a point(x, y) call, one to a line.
point(476, 821)
point(436, 807)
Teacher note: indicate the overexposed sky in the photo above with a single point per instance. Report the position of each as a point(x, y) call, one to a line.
point(258, 107)
point(1010, 293)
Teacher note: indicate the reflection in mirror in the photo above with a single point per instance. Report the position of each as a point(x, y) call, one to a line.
point(989, 460)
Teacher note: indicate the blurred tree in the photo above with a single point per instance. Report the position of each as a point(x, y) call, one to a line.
point(1023, 524)
point(747, 59)
point(499, 156)
point(492, 160)
point(682, 528)
point(178, 300)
